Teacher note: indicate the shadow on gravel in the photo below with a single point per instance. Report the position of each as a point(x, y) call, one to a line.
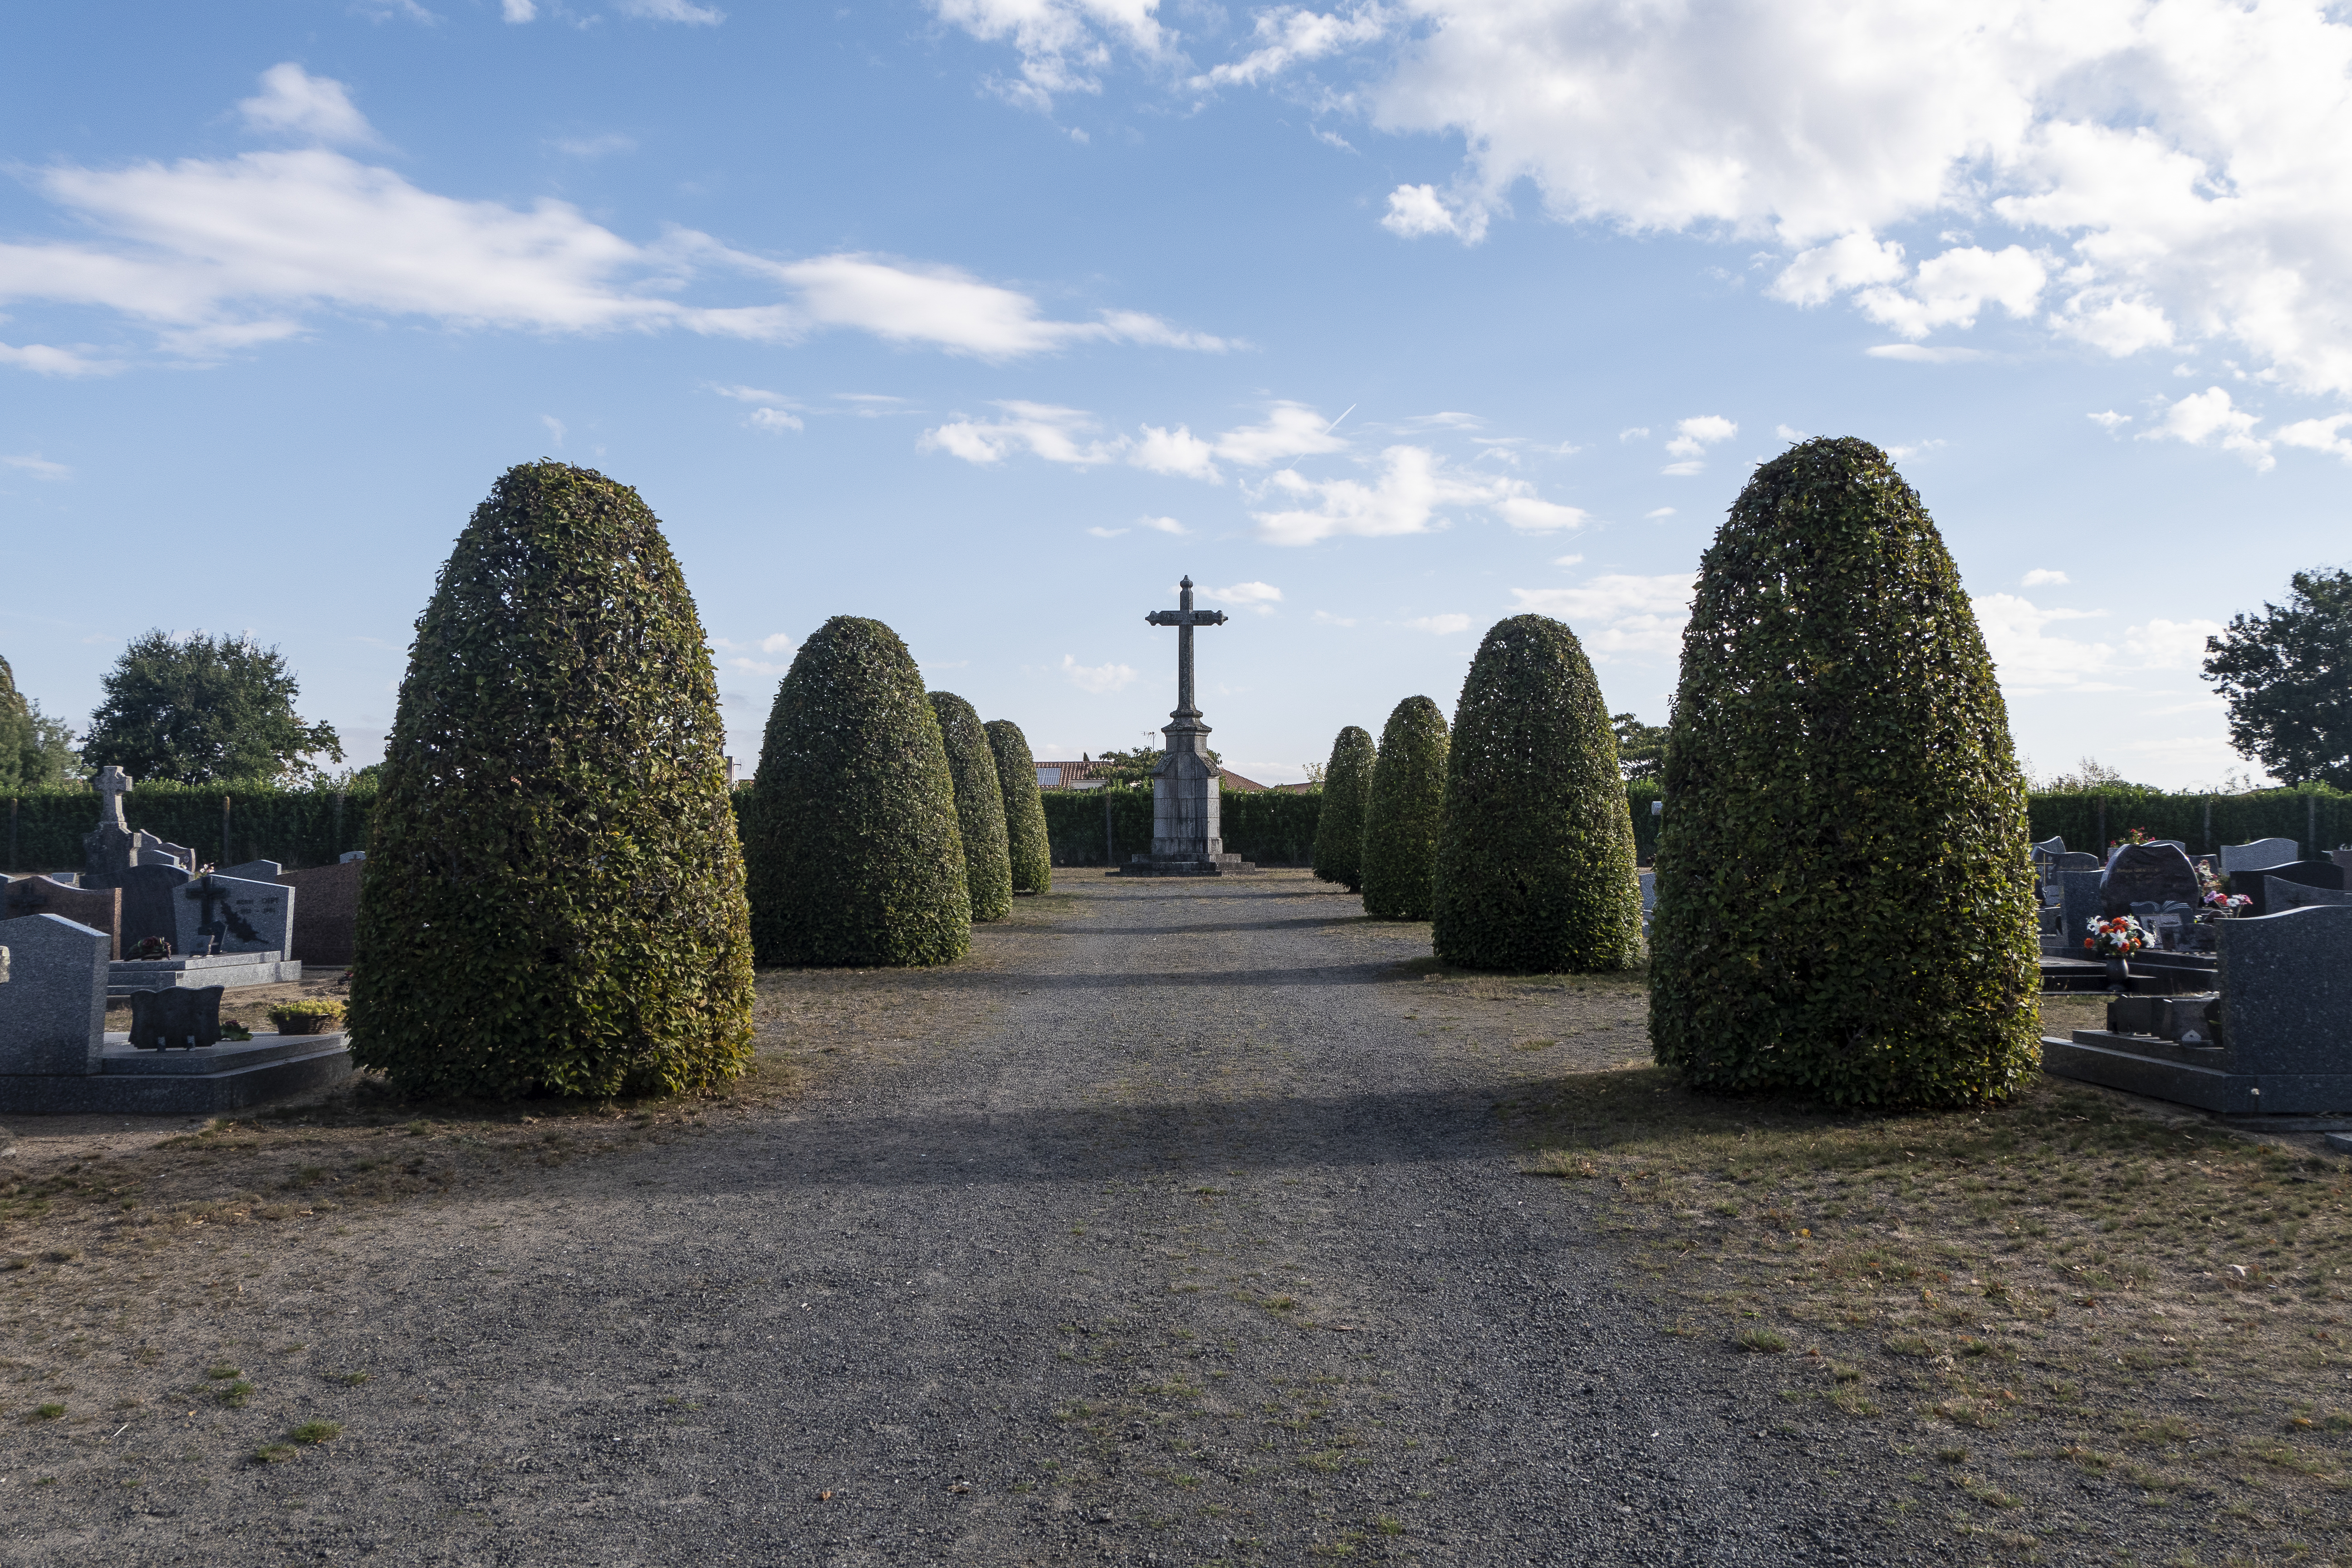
point(929, 1149)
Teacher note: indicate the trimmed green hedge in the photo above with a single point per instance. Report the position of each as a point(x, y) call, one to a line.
point(1403, 811)
point(309, 826)
point(1339, 831)
point(553, 896)
point(1025, 840)
point(851, 837)
point(980, 807)
point(1843, 904)
point(1534, 853)
point(1269, 828)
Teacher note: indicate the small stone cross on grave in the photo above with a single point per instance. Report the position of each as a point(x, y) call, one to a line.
point(1187, 713)
point(111, 783)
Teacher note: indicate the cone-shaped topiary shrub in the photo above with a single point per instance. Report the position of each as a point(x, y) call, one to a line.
point(1402, 812)
point(1024, 809)
point(1844, 908)
point(553, 897)
point(979, 807)
point(1534, 853)
point(1340, 822)
point(851, 840)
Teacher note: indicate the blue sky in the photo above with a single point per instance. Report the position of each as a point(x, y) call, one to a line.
point(993, 318)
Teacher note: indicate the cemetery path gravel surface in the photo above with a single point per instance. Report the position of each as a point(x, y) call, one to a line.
point(1200, 1248)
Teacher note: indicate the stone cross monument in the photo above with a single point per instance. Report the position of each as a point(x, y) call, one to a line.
point(1185, 839)
point(110, 849)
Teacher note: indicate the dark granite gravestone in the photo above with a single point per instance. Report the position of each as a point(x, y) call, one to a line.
point(53, 1009)
point(2079, 903)
point(2077, 860)
point(2147, 873)
point(182, 1018)
point(100, 908)
point(2280, 895)
point(228, 914)
point(148, 904)
point(2048, 848)
point(253, 872)
point(2260, 855)
point(330, 912)
point(2310, 873)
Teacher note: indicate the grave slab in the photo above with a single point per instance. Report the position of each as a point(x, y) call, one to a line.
point(234, 970)
point(230, 1075)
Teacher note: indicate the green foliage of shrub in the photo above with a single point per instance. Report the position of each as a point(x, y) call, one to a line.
point(312, 825)
point(36, 751)
point(979, 807)
point(1339, 829)
point(1025, 837)
point(1842, 908)
point(1401, 814)
point(553, 897)
point(1534, 853)
point(855, 850)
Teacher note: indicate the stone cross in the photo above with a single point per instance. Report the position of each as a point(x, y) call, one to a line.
point(1187, 714)
point(111, 783)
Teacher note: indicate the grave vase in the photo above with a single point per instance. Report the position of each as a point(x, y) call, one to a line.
point(2119, 973)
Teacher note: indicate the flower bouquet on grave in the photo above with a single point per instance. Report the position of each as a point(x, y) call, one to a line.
point(2117, 936)
point(2218, 905)
point(2131, 836)
point(152, 948)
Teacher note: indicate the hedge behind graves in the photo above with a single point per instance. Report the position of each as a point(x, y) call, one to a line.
point(979, 807)
point(1401, 815)
point(1340, 830)
point(553, 897)
point(854, 853)
point(1535, 852)
point(1843, 904)
point(1032, 852)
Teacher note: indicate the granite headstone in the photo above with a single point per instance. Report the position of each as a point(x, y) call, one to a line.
point(148, 909)
point(181, 1018)
point(100, 908)
point(2147, 873)
point(2286, 991)
point(2258, 855)
point(53, 1009)
point(241, 916)
point(252, 871)
point(330, 912)
point(2280, 895)
point(2080, 902)
point(2325, 874)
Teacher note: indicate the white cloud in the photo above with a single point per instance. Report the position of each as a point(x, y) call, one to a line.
point(45, 359)
point(1290, 431)
point(1056, 39)
point(2319, 435)
point(218, 253)
point(1787, 432)
point(1098, 678)
point(294, 102)
point(1694, 436)
point(1900, 453)
point(1041, 429)
point(1658, 513)
point(671, 11)
point(779, 642)
point(2205, 417)
point(554, 426)
point(1106, 532)
point(2031, 659)
point(1415, 211)
point(1259, 596)
point(2110, 421)
point(2173, 168)
point(1177, 451)
point(776, 419)
point(750, 393)
point(518, 10)
point(1567, 560)
point(1443, 625)
point(2043, 577)
point(1162, 525)
point(1634, 433)
point(40, 467)
point(1920, 353)
point(1285, 38)
point(1529, 515)
point(1618, 613)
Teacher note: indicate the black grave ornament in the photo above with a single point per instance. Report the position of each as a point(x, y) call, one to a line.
point(181, 1018)
point(2147, 873)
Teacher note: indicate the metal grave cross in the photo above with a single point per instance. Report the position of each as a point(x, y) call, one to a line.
point(1187, 714)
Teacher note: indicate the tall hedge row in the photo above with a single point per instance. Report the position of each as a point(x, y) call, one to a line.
point(1271, 828)
point(1340, 829)
point(553, 897)
point(1402, 814)
point(1026, 841)
point(851, 838)
point(1535, 850)
point(1842, 904)
point(979, 807)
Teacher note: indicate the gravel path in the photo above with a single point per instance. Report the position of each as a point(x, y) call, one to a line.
point(1198, 1248)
